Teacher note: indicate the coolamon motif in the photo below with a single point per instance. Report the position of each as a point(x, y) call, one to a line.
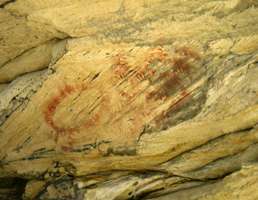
point(122, 99)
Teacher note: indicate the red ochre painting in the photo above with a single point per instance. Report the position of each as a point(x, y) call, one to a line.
point(116, 105)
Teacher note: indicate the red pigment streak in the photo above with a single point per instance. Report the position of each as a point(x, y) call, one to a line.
point(120, 66)
point(176, 105)
point(92, 121)
point(163, 92)
point(184, 95)
point(151, 72)
point(173, 80)
point(157, 54)
point(66, 148)
point(126, 94)
point(141, 74)
point(181, 65)
point(51, 109)
point(157, 94)
point(188, 52)
point(52, 105)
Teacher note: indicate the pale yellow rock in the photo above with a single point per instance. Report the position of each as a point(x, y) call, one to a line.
point(146, 98)
point(246, 45)
point(193, 133)
point(234, 82)
point(2, 87)
point(33, 188)
point(221, 47)
point(26, 7)
point(17, 37)
point(240, 185)
point(228, 145)
point(3, 1)
point(72, 19)
point(32, 60)
point(81, 23)
point(221, 8)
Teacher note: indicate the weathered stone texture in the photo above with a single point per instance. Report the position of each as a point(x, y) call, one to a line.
point(121, 99)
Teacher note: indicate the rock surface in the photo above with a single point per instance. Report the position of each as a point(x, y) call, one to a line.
point(124, 99)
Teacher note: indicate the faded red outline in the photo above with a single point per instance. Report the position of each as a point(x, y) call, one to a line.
point(55, 102)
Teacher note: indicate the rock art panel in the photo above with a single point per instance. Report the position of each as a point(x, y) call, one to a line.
point(117, 103)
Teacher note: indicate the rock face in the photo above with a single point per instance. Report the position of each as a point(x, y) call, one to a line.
point(124, 99)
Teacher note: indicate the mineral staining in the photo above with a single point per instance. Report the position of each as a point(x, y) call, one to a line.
point(127, 101)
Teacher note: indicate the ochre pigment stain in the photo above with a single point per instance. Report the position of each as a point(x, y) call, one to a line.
point(51, 109)
point(120, 66)
point(163, 74)
point(167, 82)
point(176, 67)
point(52, 106)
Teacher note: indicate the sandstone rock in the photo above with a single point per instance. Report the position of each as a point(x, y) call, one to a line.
point(129, 99)
point(33, 59)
